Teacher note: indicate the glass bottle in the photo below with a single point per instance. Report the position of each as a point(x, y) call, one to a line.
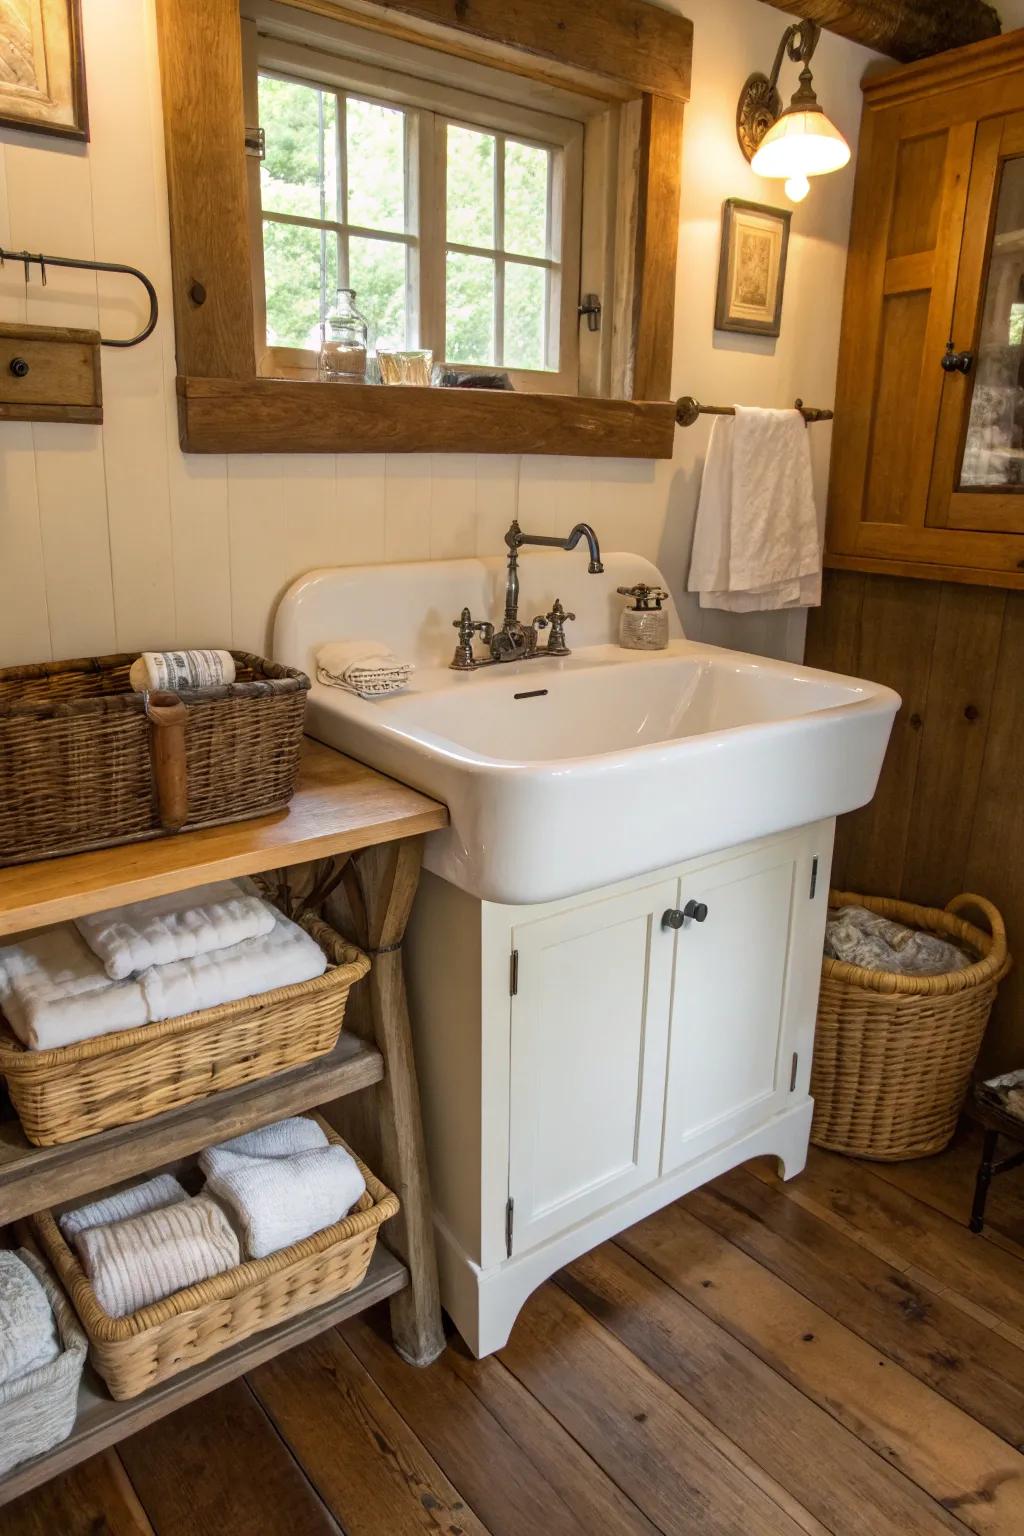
point(343, 347)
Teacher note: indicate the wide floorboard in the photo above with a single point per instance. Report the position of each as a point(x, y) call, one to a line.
point(837, 1356)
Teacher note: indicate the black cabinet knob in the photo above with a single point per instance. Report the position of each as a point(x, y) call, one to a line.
point(673, 918)
point(18, 367)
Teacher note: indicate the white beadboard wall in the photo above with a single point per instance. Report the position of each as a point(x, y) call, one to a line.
point(112, 539)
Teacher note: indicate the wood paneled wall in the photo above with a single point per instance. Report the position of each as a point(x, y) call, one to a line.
point(949, 812)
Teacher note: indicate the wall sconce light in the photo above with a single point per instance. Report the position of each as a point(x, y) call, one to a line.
point(800, 141)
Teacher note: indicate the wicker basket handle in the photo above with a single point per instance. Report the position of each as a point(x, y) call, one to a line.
point(998, 955)
point(168, 716)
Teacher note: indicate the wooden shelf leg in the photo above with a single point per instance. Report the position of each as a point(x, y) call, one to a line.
point(378, 901)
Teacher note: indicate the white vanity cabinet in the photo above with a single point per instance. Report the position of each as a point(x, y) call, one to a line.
point(582, 1063)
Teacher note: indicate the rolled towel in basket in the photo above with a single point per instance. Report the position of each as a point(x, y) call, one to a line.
point(176, 927)
point(136, 1262)
point(298, 1133)
point(283, 957)
point(28, 1329)
point(277, 1201)
point(175, 670)
point(134, 1200)
point(54, 992)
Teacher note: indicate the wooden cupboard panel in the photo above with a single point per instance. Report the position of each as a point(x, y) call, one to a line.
point(917, 197)
point(901, 357)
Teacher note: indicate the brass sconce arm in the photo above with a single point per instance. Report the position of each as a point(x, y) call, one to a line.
point(760, 104)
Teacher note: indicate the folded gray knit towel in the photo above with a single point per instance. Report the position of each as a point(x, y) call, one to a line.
point(28, 1329)
point(133, 1263)
point(277, 1201)
point(134, 1200)
point(297, 1134)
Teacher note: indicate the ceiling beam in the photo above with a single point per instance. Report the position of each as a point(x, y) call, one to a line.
point(904, 29)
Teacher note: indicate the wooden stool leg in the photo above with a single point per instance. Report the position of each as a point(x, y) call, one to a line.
point(387, 877)
point(984, 1179)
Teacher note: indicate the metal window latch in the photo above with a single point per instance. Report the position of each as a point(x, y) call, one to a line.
point(591, 307)
point(256, 142)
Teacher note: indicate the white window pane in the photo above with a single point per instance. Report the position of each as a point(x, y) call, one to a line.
point(301, 267)
point(525, 315)
point(299, 174)
point(376, 270)
point(469, 309)
point(376, 165)
point(526, 199)
point(470, 187)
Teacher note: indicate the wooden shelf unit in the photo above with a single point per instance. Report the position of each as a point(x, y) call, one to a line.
point(341, 810)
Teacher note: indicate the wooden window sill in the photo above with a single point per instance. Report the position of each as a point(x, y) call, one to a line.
point(288, 416)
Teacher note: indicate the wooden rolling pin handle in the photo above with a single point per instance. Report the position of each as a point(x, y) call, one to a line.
point(168, 717)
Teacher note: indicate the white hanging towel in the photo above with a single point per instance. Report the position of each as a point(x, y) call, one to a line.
point(756, 543)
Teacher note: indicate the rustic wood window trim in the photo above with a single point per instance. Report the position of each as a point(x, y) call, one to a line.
point(617, 50)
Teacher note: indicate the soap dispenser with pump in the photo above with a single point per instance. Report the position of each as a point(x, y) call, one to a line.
point(644, 626)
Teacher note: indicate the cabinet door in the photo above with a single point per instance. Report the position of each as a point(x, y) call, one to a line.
point(589, 1030)
point(978, 476)
point(730, 1060)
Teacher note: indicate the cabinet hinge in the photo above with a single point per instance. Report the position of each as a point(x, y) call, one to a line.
point(513, 973)
point(510, 1207)
point(256, 143)
point(814, 878)
point(793, 1071)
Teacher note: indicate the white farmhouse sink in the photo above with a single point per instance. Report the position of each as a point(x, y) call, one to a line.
point(563, 776)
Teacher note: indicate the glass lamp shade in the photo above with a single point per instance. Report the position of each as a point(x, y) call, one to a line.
point(801, 143)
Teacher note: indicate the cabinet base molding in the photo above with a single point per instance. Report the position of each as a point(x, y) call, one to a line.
point(484, 1303)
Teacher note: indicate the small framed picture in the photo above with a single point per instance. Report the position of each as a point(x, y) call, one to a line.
point(42, 73)
point(752, 267)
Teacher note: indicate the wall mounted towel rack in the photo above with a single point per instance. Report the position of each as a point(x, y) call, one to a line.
point(42, 262)
point(688, 409)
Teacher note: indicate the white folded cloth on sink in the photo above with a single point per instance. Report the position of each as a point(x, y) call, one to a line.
point(54, 992)
point(277, 1201)
point(366, 667)
point(281, 958)
point(176, 927)
point(28, 1329)
point(133, 1263)
point(133, 1200)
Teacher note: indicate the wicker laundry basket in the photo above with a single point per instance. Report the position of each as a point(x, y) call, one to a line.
point(893, 1053)
point(134, 1353)
point(86, 762)
point(38, 1411)
point(117, 1079)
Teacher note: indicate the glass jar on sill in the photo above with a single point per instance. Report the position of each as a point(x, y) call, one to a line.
point(343, 346)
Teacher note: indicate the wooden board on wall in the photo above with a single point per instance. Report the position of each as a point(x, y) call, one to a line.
point(949, 812)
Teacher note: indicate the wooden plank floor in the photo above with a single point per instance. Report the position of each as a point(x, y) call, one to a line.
point(834, 1355)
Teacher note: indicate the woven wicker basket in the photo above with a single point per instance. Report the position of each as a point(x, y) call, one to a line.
point(893, 1054)
point(134, 1353)
point(76, 768)
point(117, 1079)
point(37, 1411)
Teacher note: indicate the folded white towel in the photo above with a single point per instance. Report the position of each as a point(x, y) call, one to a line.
point(28, 1329)
point(756, 544)
point(277, 1201)
point(281, 958)
point(366, 667)
point(54, 991)
point(134, 1200)
point(136, 1262)
point(299, 1133)
point(176, 927)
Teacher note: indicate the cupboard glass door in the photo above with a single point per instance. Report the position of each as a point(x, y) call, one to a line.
point(978, 473)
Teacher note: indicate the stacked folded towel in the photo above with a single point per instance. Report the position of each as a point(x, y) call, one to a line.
point(365, 667)
point(216, 945)
point(122, 1205)
point(282, 1184)
point(147, 1258)
point(28, 1329)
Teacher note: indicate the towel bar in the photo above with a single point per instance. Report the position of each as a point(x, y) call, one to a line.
point(688, 409)
point(80, 263)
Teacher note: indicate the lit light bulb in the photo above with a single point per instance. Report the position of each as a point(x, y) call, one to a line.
point(797, 188)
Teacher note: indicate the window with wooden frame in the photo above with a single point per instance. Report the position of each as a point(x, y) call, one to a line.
point(455, 217)
point(476, 174)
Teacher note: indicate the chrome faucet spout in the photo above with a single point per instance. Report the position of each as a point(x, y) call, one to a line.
point(515, 538)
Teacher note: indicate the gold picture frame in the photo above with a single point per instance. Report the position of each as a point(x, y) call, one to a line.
point(752, 267)
point(42, 70)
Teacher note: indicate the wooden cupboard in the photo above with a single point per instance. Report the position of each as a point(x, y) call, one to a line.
point(928, 453)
